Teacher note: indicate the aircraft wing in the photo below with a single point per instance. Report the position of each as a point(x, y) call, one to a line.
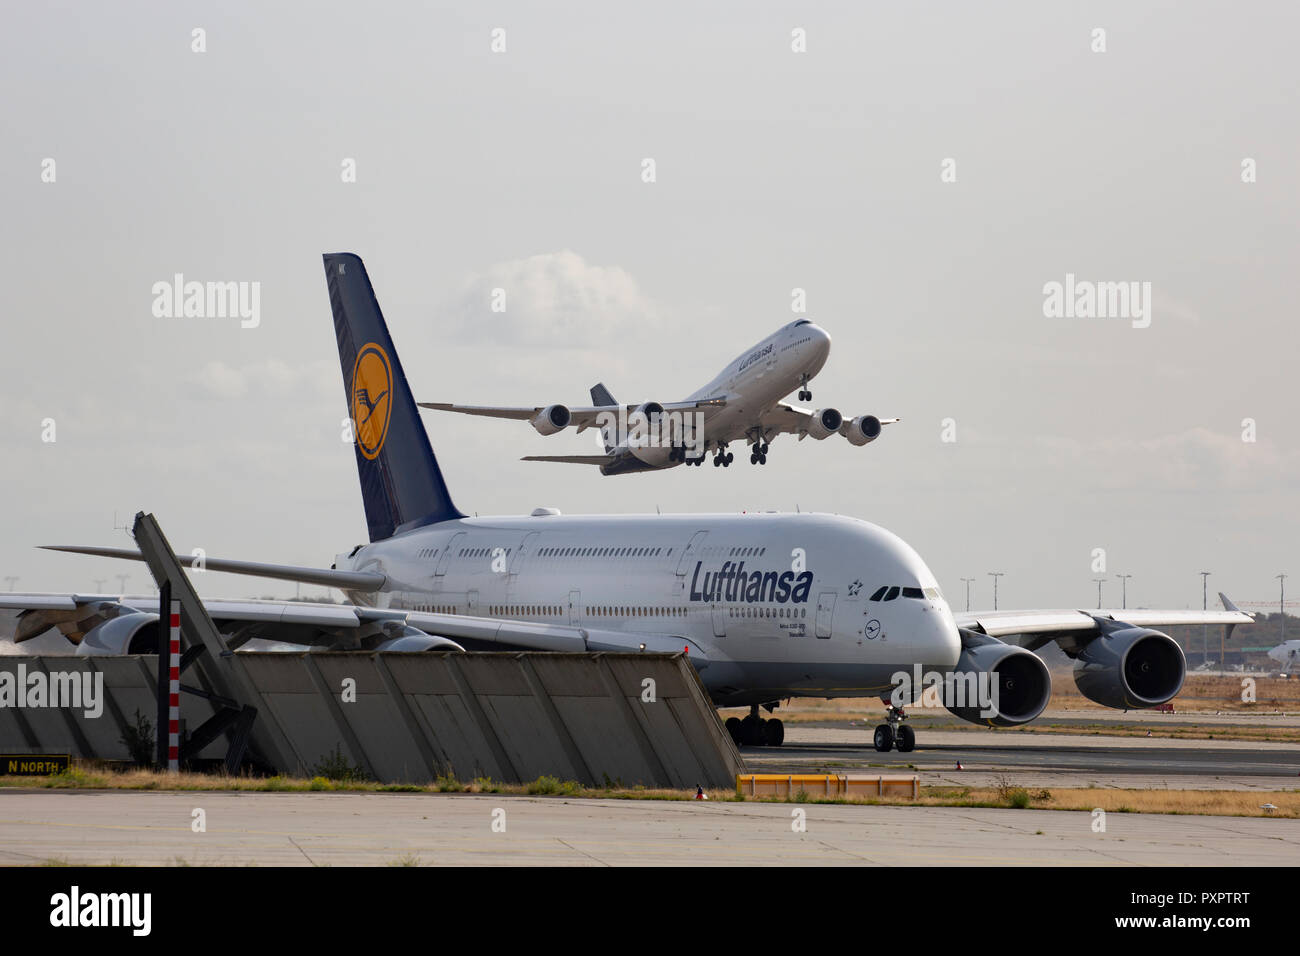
point(788, 419)
point(333, 626)
point(586, 416)
point(307, 623)
point(1040, 626)
point(573, 459)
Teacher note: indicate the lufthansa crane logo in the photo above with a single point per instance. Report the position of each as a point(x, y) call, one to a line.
point(372, 393)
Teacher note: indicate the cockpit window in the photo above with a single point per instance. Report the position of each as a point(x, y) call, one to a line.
point(911, 592)
point(934, 594)
point(893, 593)
point(880, 592)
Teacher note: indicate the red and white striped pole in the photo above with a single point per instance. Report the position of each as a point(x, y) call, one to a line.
point(174, 691)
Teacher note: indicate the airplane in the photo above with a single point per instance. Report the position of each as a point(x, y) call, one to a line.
point(765, 606)
point(742, 403)
point(1287, 654)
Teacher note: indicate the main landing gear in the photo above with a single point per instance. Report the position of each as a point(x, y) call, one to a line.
point(723, 457)
point(754, 731)
point(678, 453)
point(894, 733)
point(758, 453)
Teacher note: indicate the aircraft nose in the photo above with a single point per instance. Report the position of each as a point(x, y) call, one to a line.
point(821, 341)
point(941, 642)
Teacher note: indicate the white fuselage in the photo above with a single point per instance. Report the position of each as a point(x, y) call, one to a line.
point(1287, 654)
point(752, 384)
point(773, 605)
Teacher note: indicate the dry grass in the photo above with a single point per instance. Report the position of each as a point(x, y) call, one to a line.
point(1004, 794)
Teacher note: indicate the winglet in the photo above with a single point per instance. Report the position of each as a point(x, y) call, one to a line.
point(1229, 606)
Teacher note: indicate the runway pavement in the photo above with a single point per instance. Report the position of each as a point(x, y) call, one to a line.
point(1039, 759)
point(337, 829)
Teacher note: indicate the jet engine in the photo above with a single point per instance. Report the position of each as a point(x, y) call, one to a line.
point(997, 683)
point(414, 639)
point(863, 430)
point(1130, 667)
point(551, 419)
point(132, 633)
point(825, 422)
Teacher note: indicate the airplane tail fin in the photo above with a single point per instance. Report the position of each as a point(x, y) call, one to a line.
point(401, 483)
point(600, 397)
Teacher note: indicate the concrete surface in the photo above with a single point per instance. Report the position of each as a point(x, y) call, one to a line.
point(336, 829)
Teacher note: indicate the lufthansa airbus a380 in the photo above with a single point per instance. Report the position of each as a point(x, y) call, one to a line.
point(766, 606)
point(743, 403)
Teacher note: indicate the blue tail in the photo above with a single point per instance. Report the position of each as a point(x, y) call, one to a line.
point(401, 483)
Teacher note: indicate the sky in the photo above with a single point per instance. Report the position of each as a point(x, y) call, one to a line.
point(922, 171)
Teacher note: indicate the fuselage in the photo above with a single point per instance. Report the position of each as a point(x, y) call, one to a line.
point(751, 384)
point(776, 605)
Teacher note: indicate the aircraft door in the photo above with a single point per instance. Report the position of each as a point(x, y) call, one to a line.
point(825, 611)
point(445, 558)
point(692, 551)
point(719, 620)
point(575, 607)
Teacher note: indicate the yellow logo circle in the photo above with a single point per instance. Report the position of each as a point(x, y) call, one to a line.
point(372, 394)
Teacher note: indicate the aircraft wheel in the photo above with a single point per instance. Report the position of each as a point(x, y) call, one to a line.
point(717, 461)
point(762, 459)
point(751, 731)
point(906, 739)
point(733, 727)
point(884, 738)
point(753, 458)
point(763, 450)
point(773, 732)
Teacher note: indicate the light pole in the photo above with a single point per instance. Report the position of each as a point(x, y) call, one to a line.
point(99, 584)
point(1205, 606)
point(1281, 601)
point(122, 578)
point(995, 575)
point(1124, 584)
point(968, 581)
point(1100, 582)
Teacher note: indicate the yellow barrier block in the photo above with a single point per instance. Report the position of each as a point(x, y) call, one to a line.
point(828, 784)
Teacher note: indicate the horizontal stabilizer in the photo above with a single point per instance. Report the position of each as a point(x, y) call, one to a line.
point(344, 580)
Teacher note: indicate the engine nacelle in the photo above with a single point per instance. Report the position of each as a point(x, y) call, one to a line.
point(551, 419)
point(1130, 668)
point(1015, 692)
point(414, 639)
point(825, 422)
point(645, 417)
point(132, 633)
point(863, 430)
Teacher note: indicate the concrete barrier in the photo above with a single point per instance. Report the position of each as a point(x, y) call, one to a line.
point(598, 719)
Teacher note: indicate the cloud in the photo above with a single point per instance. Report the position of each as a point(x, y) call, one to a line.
point(556, 299)
point(272, 377)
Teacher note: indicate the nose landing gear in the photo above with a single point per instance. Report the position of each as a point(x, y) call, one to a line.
point(805, 394)
point(894, 733)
